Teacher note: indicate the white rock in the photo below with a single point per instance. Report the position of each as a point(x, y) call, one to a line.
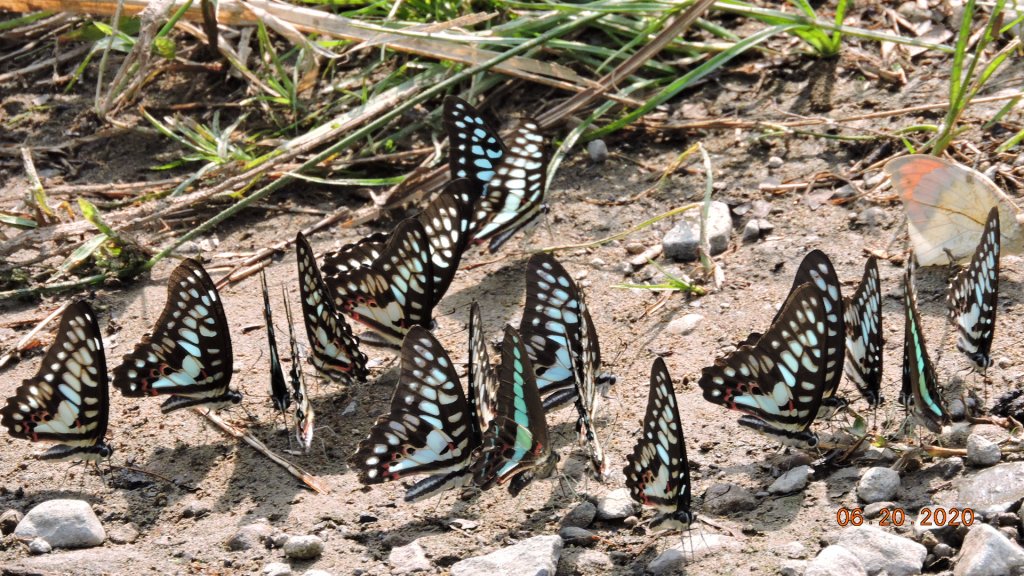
point(537, 556)
point(250, 536)
point(793, 568)
point(986, 552)
point(835, 561)
point(795, 550)
point(752, 231)
point(277, 569)
point(878, 484)
point(63, 524)
point(992, 490)
point(305, 547)
point(616, 505)
point(684, 325)
point(39, 546)
point(597, 150)
point(592, 562)
point(794, 480)
point(879, 550)
point(674, 558)
point(316, 572)
point(682, 241)
point(408, 559)
point(982, 452)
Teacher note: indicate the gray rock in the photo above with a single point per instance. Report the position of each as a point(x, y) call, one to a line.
point(872, 216)
point(725, 498)
point(792, 481)
point(616, 505)
point(590, 562)
point(874, 510)
point(124, 534)
point(277, 539)
point(250, 536)
point(878, 484)
point(633, 248)
point(575, 536)
point(581, 516)
point(63, 524)
point(992, 490)
point(642, 259)
point(950, 467)
point(765, 227)
point(793, 568)
point(795, 550)
point(879, 550)
point(682, 241)
point(684, 324)
point(408, 559)
point(597, 150)
point(673, 559)
point(775, 162)
point(879, 456)
point(277, 569)
point(751, 231)
point(982, 452)
point(537, 556)
point(986, 552)
point(195, 509)
point(835, 561)
point(38, 546)
point(304, 547)
point(9, 521)
point(943, 550)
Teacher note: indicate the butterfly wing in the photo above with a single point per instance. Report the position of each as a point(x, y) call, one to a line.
point(67, 400)
point(515, 194)
point(351, 257)
point(779, 382)
point(817, 269)
point(972, 297)
point(188, 353)
point(920, 384)
point(335, 348)
point(475, 148)
point(483, 382)
point(863, 316)
point(445, 221)
point(587, 364)
point(304, 416)
point(396, 291)
point(657, 472)
point(429, 430)
point(278, 389)
point(516, 444)
point(947, 205)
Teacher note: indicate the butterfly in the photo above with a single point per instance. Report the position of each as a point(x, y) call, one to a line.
point(393, 293)
point(335, 350)
point(483, 382)
point(863, 315)
point(430, 429)
point(516, 445)
point(972, 297)
point(920, 392)
point(304, 416)
point(509, 179)
point(562, 343)
point(657, 472)
point(779, 380)
point(947, 205)
point(278, 389)
point(67, 400)
point(188, 353)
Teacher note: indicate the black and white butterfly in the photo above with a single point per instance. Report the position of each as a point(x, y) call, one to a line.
point(430, 429)
point(779, 380)
point(973, 294)
point(188, 353)
point(335, 349)
point(657, 472)
point(483, 381)
point(509, 178)
point(67, 400)
point(304, 415)
point(562, 343)
point(920, 392)
point(278, 389)
point(516, 447)
point(863, 315)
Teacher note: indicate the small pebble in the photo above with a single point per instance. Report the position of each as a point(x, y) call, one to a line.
point(9, 521)
point(844, 191)
point(277, 569)
point(872, 216)
point(304, 547)
point(577, 536)
point(685, 324)
point(751, 232)
point(775, 162)
point(581, 516)
point(39, 546)
point(792, 481)
point(597, 150)
point(634, 248)
point(878, 484)
point(943, 550)
point(981, 451)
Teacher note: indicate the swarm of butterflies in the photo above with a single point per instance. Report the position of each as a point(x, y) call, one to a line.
point(496, 433)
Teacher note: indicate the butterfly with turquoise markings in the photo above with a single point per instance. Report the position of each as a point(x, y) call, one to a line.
point(920, 392)
point(515, 449)
point(779, 380)
point(304, 415)
point(67, 400)
point(509, 178)
point(278, 389)
point(657, 472)
point(973, 294)
point(393, 281)
point(431, 428)
point(863, 315)
point(562, 343)
point(335, 349)
point(188, 353)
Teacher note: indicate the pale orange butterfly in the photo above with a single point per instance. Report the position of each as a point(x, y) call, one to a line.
point(947, 205)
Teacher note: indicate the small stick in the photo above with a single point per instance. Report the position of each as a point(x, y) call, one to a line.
point(308, 479)
point(31, 333)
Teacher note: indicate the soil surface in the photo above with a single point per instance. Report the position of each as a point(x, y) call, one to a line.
point(191, 465)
